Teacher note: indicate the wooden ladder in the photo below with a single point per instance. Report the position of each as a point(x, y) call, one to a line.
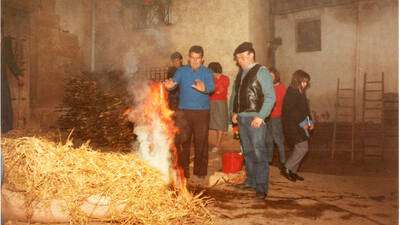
point(345, 116)
point(373, 126)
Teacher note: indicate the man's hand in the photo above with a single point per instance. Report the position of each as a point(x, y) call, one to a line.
point(169, 84)
point(308, 127)
point(234, 118)
point(199, 85)
point(257, 122)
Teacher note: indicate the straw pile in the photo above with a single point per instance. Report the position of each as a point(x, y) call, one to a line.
point(45, 171)
point(93, 105)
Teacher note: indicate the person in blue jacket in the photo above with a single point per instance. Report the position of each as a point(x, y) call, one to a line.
point(195, 83)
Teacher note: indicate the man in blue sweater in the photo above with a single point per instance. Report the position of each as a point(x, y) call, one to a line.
point(195, 82)
point(253, 99)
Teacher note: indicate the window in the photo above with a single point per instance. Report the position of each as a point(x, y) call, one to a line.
point(139, 14)
point(308, 35)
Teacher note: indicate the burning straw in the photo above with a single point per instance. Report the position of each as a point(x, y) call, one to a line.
point(44, 171)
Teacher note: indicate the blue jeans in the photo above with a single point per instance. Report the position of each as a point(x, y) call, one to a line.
point(255, 154)
point(275, 134)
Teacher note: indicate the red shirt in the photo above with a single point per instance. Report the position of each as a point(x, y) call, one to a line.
point(280, 91)
point(221, 85)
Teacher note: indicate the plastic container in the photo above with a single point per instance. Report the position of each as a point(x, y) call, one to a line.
point(232, 162)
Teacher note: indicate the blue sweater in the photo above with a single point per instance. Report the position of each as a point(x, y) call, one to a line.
point(190, 98)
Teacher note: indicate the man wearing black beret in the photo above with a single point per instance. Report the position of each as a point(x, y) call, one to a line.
point(254, 99)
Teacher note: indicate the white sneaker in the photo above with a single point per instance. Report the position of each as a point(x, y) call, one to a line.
point(214, 149)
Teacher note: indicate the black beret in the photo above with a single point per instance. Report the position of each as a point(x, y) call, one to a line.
point(245, 46)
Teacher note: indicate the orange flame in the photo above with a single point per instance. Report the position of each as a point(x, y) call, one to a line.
point(157, 102)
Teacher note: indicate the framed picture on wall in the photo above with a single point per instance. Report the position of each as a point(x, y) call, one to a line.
point(308, 35)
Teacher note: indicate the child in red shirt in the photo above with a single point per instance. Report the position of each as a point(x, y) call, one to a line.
point(219, 103)
point(274, 122)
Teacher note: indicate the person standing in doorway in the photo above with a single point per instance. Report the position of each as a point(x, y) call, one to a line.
point(297, 123)
point(196, 83)
point(176, 60)
point(8, 61)
point(274, 122)
point(218, 104)
point(254, 98)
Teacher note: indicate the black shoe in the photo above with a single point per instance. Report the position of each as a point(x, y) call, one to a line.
point(282, 166)
point(297, 177)
point(288, 175)
point(260, 195)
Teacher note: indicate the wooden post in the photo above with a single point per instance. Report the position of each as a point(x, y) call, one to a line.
point(335, 121)
point(353, 121)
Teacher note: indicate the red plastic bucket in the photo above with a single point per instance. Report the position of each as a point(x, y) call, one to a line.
point(232, 162)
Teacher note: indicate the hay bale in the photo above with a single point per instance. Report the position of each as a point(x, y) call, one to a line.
point(44, 172)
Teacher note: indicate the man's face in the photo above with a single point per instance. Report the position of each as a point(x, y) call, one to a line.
point(245, 59)
point(195, 60)
point(176, 63)
point(273, 76)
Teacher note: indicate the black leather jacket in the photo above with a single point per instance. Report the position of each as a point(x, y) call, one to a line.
point(249, 96)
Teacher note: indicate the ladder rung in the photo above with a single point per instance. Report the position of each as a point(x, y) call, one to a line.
point(345, 115)
point(373, 108)
point(374, 155)
point(372, 147)
point(343, 137)
point(373, 90)
point(345, 106)
point(343, 134)
point(373, 100)
point(373, 82)
point(343, 142)
point(369, 123)
point(371, 129)
point(392, 101)
point(372, 133)
point(390, 110)
point(345, 97)
point(373, 118)
point(346, 89)
point(341, 128)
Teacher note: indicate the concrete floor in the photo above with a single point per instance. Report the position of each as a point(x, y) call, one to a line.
point(334, 192)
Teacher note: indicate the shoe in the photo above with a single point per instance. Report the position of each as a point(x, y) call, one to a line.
point(214, 149)
point(244, 186)
point(260, 195)
point(288, 175)
point(297, 177)
point(282, 166)
point(199, 177)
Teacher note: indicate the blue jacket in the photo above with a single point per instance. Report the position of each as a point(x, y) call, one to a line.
point(190, 98)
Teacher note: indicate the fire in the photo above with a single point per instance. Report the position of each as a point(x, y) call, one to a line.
point(156, 131)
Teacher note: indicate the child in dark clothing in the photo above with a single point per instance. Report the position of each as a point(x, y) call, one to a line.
point(297, 123)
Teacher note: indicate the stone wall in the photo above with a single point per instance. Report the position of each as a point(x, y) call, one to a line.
point(54, 50)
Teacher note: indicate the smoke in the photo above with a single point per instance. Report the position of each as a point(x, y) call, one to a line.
point(130, 63)
point(153, 135)
point(152, 129)
point(159, 37)
point(154, 146)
